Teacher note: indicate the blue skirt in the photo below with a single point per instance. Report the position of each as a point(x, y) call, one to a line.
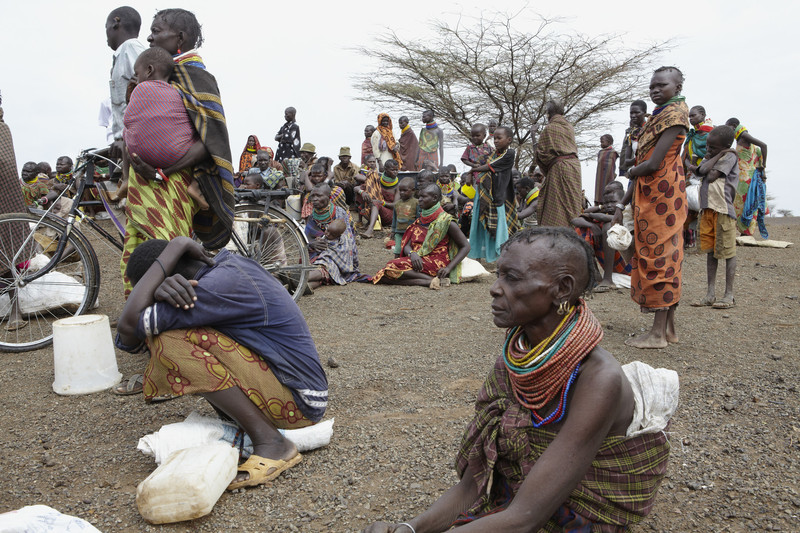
point(483, 245)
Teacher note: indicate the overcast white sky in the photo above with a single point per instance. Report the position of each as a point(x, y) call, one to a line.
point(739, 59)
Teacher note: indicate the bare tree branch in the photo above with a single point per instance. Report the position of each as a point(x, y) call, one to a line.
point(471, 73)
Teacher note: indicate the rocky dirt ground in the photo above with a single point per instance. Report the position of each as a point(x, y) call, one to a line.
point(411, 364)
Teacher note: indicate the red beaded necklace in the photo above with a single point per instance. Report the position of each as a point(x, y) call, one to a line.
point(536, 388)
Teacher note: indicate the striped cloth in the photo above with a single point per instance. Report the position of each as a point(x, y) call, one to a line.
point(501, 446)
point(11, 200)
point(157, 126)
point(561, 196)
point(200, 94)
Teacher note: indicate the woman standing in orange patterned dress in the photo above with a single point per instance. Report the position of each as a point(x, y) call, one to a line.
point(659, 207)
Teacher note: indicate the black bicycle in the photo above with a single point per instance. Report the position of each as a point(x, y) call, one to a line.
point(54, 272)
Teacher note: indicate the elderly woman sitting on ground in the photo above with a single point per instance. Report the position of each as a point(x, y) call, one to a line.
point(563, 437)
point(431, 250)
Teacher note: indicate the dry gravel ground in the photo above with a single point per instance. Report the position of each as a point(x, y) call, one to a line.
point(411, 364)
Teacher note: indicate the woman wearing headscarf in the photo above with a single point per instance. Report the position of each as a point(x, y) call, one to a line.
point(384, 145)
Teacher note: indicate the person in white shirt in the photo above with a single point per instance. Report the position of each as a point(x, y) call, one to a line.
point(122, 35)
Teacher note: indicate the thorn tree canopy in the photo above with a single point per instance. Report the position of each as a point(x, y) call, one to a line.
point(471, 73)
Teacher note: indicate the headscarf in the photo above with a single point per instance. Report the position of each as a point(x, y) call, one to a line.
point(246, 159)
point(388, 138)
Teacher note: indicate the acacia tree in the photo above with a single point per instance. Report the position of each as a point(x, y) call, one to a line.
point(470, 73)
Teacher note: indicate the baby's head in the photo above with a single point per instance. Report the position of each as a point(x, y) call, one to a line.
point(477, 134)
point(406, 188)
point(253, 181)
point(335, 229)
point(719, 139)
point(154, 63)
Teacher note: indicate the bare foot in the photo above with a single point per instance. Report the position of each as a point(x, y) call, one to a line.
point(647, 341)
point(605, 286)
point(672, 338)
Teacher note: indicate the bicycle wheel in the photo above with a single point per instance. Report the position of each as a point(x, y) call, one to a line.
point(69, 289)
point(276, 241)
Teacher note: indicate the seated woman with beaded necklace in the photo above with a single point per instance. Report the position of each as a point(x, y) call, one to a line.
point(559, 441)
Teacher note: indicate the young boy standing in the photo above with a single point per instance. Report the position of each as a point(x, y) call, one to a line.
point(717, 226)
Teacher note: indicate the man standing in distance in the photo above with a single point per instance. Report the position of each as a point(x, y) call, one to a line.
point(122, 36)
point(431, 141)
point(288, 137)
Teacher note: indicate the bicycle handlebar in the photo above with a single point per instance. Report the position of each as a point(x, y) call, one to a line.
point(259, 194)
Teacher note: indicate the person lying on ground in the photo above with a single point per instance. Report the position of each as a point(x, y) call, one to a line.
point(258, 364)
point(558, 441)
point(432, 248)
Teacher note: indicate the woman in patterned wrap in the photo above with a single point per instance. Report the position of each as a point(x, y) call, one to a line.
point(659, 204)
point(159, 206)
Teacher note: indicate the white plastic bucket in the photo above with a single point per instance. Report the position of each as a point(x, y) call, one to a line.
point(83, 355)
point(294, 206)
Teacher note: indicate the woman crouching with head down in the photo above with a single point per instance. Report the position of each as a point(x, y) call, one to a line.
point(558, 442)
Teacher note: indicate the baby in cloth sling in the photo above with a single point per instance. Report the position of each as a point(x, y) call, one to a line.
point(157, 126)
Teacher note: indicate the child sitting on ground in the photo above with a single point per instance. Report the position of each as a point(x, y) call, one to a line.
point(717, 223)
point(593, 226)
point(157, 127)
point(527, 201)
point(406, 211)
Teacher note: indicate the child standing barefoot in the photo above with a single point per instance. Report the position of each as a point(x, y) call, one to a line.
point(717, 226)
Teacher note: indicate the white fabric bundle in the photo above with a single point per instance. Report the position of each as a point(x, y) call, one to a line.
point(655, 396)
point(198, 430)
point(619, 238)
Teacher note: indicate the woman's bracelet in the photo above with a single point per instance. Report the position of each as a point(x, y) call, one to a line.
point(409, 526)
point(164, 270)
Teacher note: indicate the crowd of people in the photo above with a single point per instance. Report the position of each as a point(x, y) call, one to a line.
point(568, 398)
